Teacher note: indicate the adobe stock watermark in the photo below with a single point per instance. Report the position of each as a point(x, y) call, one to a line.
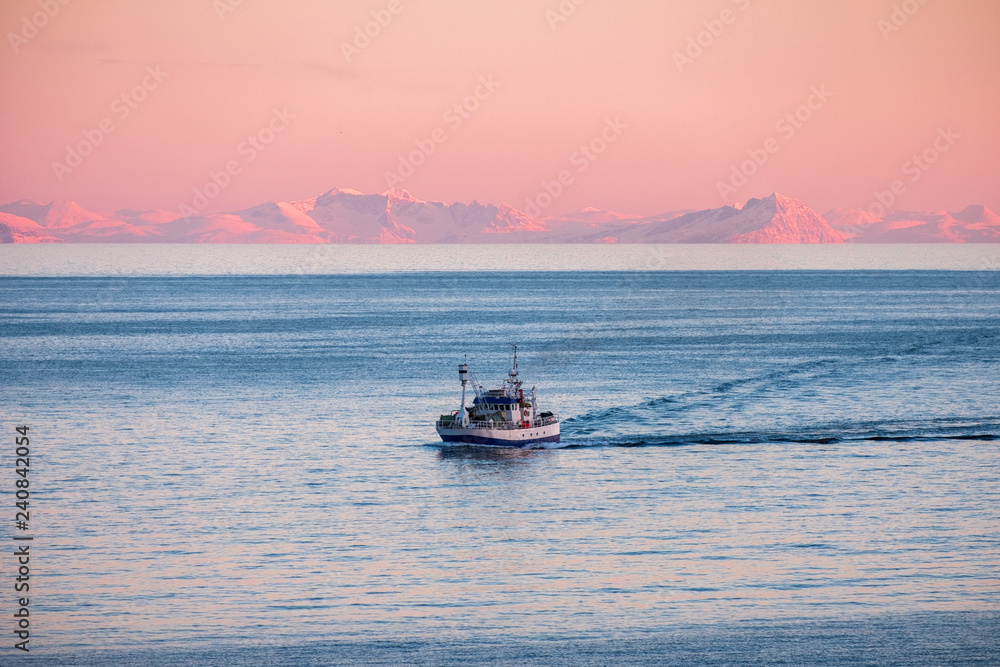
point(122, 107)
point(454, 117)
point(696, 44)
point(562, 12)
point(581, 158)
point(224, 8)
point(249, 149)
point(363, 35)
point(918, 165)
point(30, 26)
point(787, 126)
point(900, 16)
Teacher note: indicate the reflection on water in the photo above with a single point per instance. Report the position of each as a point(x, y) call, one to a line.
point(251, 459)
point(488, 454)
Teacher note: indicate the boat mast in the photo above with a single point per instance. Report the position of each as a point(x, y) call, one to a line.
point(463, 375)
point(511, 384)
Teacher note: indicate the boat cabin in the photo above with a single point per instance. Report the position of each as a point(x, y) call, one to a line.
point(501, 408)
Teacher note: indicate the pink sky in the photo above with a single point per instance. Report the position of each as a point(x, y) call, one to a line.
point(683, 122)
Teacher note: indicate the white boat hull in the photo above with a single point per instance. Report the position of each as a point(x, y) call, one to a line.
point(532, 437)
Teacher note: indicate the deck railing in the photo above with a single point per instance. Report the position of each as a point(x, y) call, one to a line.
point(498, 426)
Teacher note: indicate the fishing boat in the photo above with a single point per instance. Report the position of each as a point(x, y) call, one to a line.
point(501, 417)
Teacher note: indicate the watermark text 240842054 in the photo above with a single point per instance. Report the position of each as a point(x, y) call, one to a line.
point(22, 551)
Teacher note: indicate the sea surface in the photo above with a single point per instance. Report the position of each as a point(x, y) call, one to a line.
point(763, 466)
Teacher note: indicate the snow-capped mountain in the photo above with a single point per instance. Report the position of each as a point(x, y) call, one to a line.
point(337, 216)
point(973, 224)
point(16, 229)
point(67, 221)
point(774, 219)
point(348, 216)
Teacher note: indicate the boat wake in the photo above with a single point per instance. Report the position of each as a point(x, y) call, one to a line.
point(818, 401)
point(777, 380)
point(831, 433)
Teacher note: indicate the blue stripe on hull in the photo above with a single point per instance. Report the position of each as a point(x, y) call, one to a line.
point(495, 442)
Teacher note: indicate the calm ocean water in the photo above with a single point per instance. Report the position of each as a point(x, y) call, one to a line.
point(765, 466)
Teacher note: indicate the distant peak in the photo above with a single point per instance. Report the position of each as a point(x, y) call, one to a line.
point(976, 213)
point(755, 202)
point(402, 195)
point(64, 205)
point(506, 210)
point(304, 205)
point(341, 191)
point(776, 200)
point(774, 196)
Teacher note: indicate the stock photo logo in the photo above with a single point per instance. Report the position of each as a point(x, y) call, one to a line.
point(569, 332)
point(32, 24)
point(454, 117)
point(121, 108)
point(248, 149)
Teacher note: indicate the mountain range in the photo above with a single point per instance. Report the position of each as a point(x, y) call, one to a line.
point(348, 216)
